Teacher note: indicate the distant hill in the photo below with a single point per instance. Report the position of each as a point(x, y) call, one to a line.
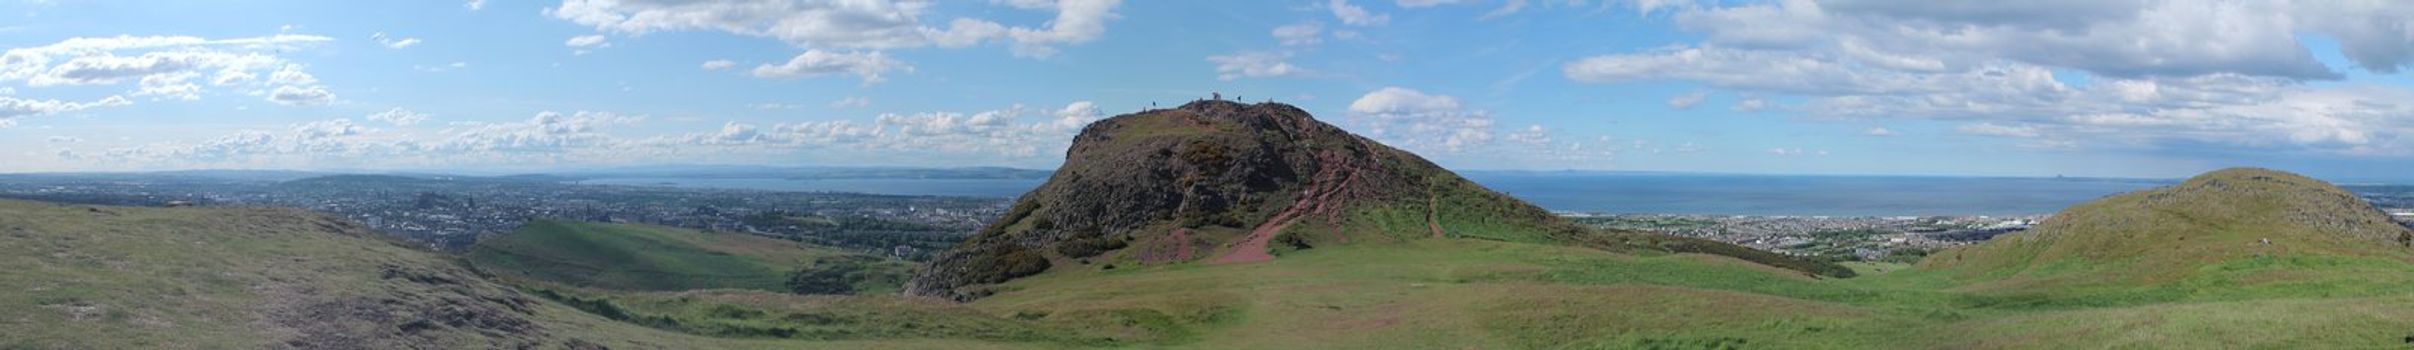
point(656, 258)
point(84, 277)
point(105, 277)
point(2241, 226)
point(1224, 182)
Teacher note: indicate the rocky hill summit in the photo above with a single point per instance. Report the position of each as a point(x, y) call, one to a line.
point(1221, 182)
point(2168, 233)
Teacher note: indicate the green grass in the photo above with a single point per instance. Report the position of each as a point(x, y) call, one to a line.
point(654, 258)
point(1472, 293)
point(153, 278)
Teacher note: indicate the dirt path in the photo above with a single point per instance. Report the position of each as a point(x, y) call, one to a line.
point(1433, 211)
point(1316, 197)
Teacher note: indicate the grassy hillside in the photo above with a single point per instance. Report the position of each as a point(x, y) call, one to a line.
point(655, 258)
point(1220, 182)
point(98, 277)
point(2230, 229)
point(113, 277)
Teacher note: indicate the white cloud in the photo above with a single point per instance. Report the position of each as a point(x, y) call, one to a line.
point(2120, 38)
point(1304, 33)
point(399, 117)
point(1253, 64)
point(2157, 74)
point(474, 5)
point(1879, 131)
point(545, 134)
point(992, 133)
point(441, 68)
point(1687, 100)
point(1992, 129)
point(851, 102)
point(1751, 104)
point(1417, 120)
point(1506, 8)
point(1791, 152)
point(1426, 3)
point(842, 25)
point(12, 108)
point(1354, 15)
point(329, 128)
point(868, 66)
point(1533, 134)
point(160, 67)
point(294, 95)
point(65, 139)
point(719, 64)
point(392, 42)
point(776, 105)
point(590, 41)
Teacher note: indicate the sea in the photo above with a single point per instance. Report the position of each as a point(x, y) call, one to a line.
point(1623, 193)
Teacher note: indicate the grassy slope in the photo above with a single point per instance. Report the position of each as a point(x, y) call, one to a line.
point(84, 277)
point(640, 257)
point(150, 278)
point(1462, 293)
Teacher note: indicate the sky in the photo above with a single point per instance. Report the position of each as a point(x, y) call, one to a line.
point(2118, 88)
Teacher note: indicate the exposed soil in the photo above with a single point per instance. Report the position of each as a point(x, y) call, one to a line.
point(1433, 211)
point(1176, 247)
point(1333, 176)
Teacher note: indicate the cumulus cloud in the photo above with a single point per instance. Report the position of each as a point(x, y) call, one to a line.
point(1418, 120)
point(1992, 129)
point(719, 64)
point(1879, 131)
point(474, 5)
point(2156, 74)
point(851, 102)
point(1687, 100)
point(1014, 133)
point(869, 66)
point(546, 133)
point(1253, 64)
point(441, 68)
point(295, 95)
point(1354, 15)
point(1304, 33)
point(398, 117)
point(595, 41)
point(1797, 151)
point(161, 67)
point(12, 108)
point(1506, 8)
point(393, 42)
point(868, 25)
point(1000, 132)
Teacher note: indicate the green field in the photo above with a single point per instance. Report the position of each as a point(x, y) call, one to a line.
point(117, 277)
point(655, 258)
point(1454, 294)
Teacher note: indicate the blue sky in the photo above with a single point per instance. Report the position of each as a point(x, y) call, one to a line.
point(2127, 88)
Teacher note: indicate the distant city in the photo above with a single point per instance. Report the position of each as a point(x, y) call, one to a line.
point(451, 212)
point(446, 212)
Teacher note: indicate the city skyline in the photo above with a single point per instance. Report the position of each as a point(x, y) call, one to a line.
point(2086, 88)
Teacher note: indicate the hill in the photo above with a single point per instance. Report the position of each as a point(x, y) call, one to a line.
point(87, 277)
point(2232, 227)
point(1222, 182)
point(656, 258)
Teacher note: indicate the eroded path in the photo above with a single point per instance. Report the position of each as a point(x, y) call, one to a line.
point(1318, 197)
